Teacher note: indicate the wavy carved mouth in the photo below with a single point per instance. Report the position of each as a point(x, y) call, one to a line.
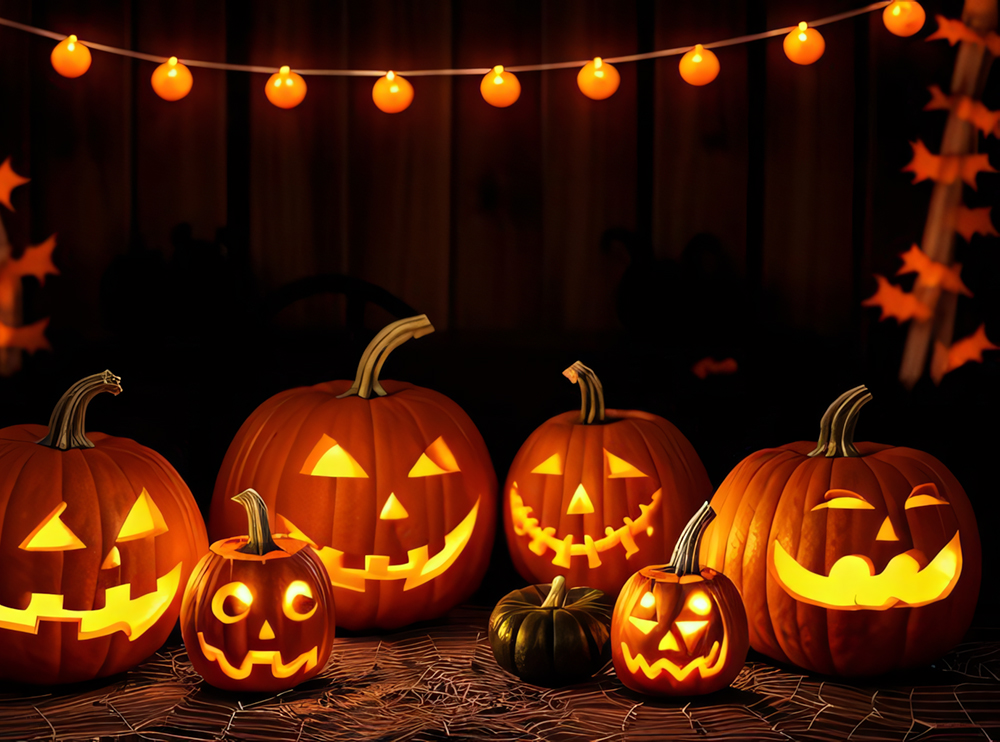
point(419, 568)
point(705, 665)
point(258, 657)
point(543, 539)
point(853, 585)
point(133, 616)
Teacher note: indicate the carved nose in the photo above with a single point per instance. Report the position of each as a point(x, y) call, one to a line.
point(266, 632)
point(393, 509)
point(580, 504)
point(691, 632)
point(114, 559)
point(886, 532)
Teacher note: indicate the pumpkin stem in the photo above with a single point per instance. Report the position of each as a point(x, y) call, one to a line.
point(591, 393)
point(387, 340)
point(684, 560)
point(557, 593)
point(836, 429)
point(66, 425)
point(260, 541)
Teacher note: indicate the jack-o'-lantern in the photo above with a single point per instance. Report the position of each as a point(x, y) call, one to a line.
point(853, 559)
point(99, 535)
point(678, 629)
point(597, 494)
point(390, 482)
point(258, 611)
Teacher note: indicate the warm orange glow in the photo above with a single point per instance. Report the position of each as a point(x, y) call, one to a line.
point(887, 532)
point(921, 501)
point(419, 568)
point(804, 45)
point(52, 534)
point(700, 604)
point(691, 632)
point(668, 643)
point(499, 87)
point(644, 625)
point(132, 616)
point(580, 504)
point(290, 530)
point(597, 79)
point(144, 519)
point(172, 80)
point(904, 17)
point(70, 57)
point(838, 499)
point(852, 584)
point(329, 459)
point(551, 465)
point(706, 665)
point(619, 468)
point(285, 89)
point(240, 605)
point(279, 669)
point(392, 93)
point(266, 632)
point(437, 459)
point(292, 603)
point(113, 560)
point(647, 601)
point(699, 66)
point(393, 509)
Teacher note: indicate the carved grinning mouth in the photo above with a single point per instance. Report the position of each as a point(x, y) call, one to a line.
point(258, 657)
point(706, 664)
point(132, 616)
point(543, 539)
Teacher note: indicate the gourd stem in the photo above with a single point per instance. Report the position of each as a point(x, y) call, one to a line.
point(68, 421)
point(591, 393)
point(388, 339)
point(684, 560)
point(836, 437)
point(259, 534)
point(557, 593)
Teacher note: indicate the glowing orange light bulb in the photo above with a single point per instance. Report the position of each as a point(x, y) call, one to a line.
point(285, 89)
point(699, 66)
point(392, 93)
point(598, 79)
point(499, 87)
point(70, 58)
point(904, 17)
point(804, 45)
point(172, 80)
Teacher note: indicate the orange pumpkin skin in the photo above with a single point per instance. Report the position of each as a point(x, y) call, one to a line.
point(785, 497)
point(373, 548)
point(667, 486)
point(99, 487)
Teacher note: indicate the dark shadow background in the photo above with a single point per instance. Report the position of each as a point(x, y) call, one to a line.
point(638, 234)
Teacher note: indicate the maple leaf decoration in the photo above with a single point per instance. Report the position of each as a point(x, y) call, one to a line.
point(955, 31)
point(974, 221)
point(967, 350)
point(932, 273)
point(36, 261)
point(29, 337)
point(896, 303)
point(9, 180)
point(946, 168)
point(966, 109)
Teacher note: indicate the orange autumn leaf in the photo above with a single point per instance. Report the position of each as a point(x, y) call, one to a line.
point(967, 109)
point(29, 337)
point(954, 31)
point(708, 366)
point(946, 168)
point(36, 261)
point(974, 221)
point(932, 273)
point(967, 350)
point(9, 180)
point(896, 303)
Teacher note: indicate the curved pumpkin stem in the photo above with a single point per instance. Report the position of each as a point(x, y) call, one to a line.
point(684, 560)
point(260, 541)
point(387, 340)
point(67, 422)
point(557, 593)
point(591, 393)
point(836, 435)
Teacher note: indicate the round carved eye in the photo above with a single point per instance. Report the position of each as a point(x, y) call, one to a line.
point(231, 602)
point(700, 604)
point(299, 603)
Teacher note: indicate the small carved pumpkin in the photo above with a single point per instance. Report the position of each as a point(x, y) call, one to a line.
point(551, 635)
point(852, 559)
point(596, 494)
point(258, 611)
point(391, 483)
point(99, 536)
point(678, 630)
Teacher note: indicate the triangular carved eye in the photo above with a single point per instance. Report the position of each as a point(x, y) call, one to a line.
point(619, 468)
point(436, 460)
point(52, 534)
point(551, 465)
point(329, 459)
point(144, 519)
point(924, 495)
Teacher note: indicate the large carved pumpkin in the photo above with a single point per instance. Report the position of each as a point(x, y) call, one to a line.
point(258, 612)
point(594, 495)
point(392, 483)
point(851, 559)
point(99, 535)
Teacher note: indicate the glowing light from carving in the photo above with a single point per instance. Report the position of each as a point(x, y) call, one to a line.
point(298, 594)
point(691, 632)
point(242, 599)
point(921, 501)
point(290, 530)
point(551, 465)
point(887, 532)
point(580, 504)
point(266, 632)
point(644, 625)
point(436, 460)
point(844, 500)
point(144, 519)
point(279, 669)
point(393, 509)
point(329, 459)
point(113, 559)
point(52, 534)
point(620, 468)
point(648, 600)
point(706, 665)
point(668, 643)
point(700, 604)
